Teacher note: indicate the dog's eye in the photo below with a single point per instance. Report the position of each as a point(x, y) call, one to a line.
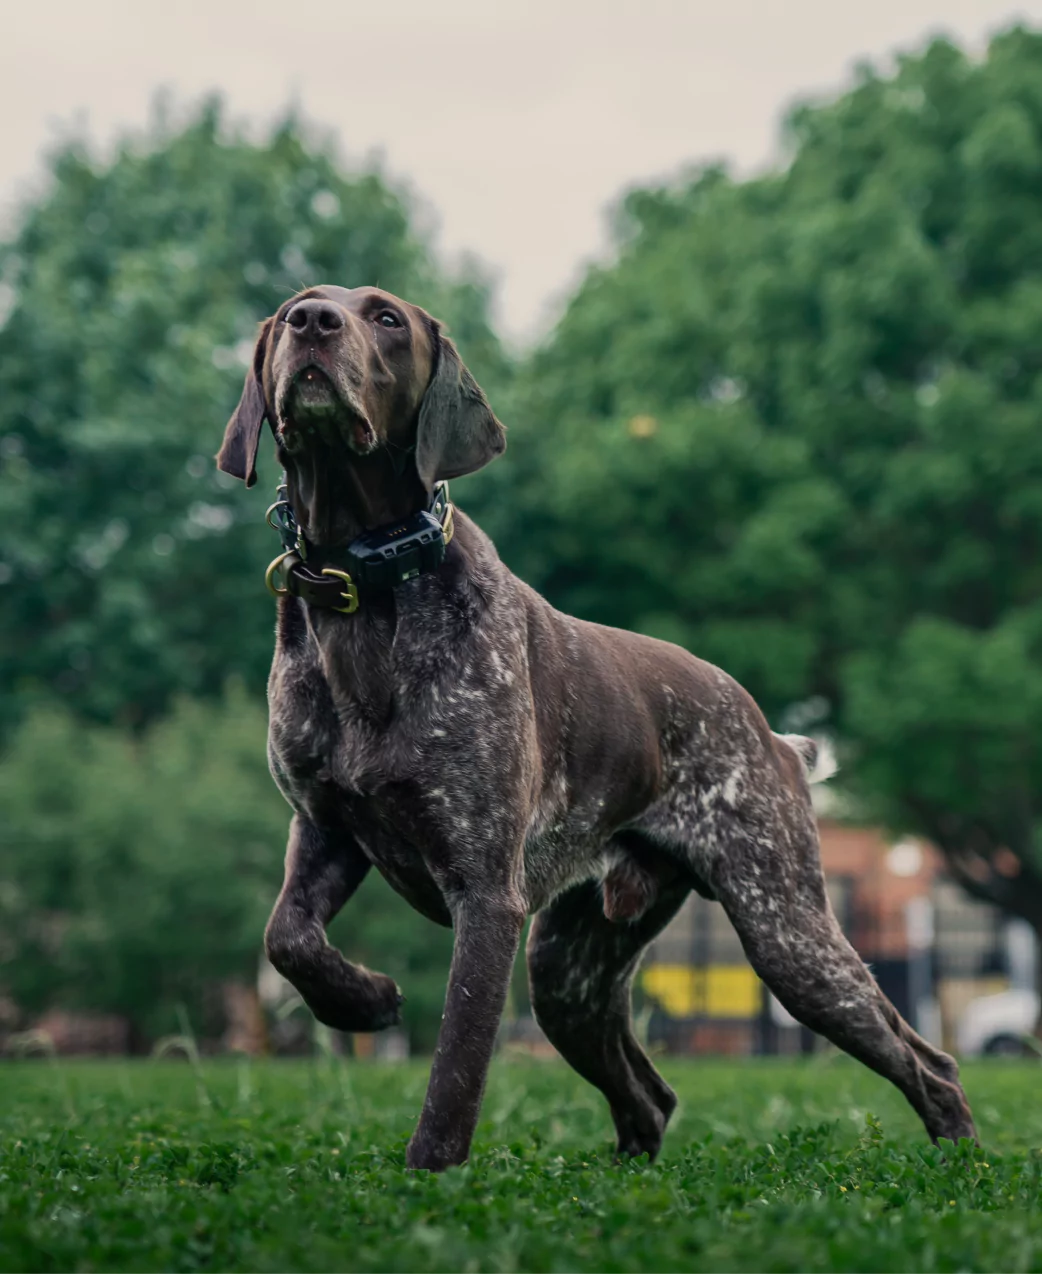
point(386, 318)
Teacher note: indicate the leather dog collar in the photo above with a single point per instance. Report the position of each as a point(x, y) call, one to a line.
point(339, 576)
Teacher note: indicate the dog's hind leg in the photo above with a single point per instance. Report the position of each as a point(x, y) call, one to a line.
point(580, 967)
point(323, 870)
point(774, 893)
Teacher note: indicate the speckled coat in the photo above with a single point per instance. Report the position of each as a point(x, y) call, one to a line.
point(493, 758)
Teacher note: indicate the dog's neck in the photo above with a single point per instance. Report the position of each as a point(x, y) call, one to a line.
point(337, 495)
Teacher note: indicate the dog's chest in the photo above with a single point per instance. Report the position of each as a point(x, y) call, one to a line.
point(363, 719)
point(324, 753)
point(412, 782)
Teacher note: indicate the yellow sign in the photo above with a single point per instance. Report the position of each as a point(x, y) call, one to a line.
point(718, 990)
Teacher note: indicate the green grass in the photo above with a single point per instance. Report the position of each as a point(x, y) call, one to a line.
point(300, 1166)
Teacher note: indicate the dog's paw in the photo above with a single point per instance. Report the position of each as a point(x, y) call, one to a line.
point(391, 1000)
point(373, 1005)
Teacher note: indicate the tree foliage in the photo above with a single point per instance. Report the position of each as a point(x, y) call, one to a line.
point(138, 861)
point(792, 425)
point(139, 870)
point(795, 425)
point(129, 567)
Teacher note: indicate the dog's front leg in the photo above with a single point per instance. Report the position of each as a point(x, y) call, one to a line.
point(323, 870)
point(488, 929)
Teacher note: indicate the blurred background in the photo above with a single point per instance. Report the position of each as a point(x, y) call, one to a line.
point(757, 290)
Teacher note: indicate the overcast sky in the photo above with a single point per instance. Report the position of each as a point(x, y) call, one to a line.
point(518, 123)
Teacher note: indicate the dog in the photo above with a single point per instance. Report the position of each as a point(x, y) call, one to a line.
point(434, 717)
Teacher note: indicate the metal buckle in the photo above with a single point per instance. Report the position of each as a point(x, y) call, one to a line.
point(269, 574)
point(350, 594)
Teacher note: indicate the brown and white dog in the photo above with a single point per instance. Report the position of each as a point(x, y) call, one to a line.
point(493, 758)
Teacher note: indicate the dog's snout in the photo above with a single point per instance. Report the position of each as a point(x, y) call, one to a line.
point(315, 318)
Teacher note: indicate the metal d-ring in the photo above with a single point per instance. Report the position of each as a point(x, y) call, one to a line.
point(269, 574)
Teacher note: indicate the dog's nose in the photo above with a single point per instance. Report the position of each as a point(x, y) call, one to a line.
point(315, 319)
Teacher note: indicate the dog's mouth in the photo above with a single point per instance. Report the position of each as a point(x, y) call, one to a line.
point(312, 393)
point(312, 406)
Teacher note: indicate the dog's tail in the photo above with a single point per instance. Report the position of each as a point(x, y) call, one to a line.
point(819, 758)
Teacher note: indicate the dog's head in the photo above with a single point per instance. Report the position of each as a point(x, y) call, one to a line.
point(359, 369)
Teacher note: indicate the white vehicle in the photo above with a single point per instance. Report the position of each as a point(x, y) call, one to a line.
point(996, 1025)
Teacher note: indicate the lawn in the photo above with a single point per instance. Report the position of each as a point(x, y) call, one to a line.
point(300, 1166)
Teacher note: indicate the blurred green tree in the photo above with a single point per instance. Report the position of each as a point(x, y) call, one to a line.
point(129, 569)
point(794, 425)
point(138, 871)
point(134, 871)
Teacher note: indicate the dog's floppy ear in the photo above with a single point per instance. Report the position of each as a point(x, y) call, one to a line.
point(238, 453)
point(457, 431)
